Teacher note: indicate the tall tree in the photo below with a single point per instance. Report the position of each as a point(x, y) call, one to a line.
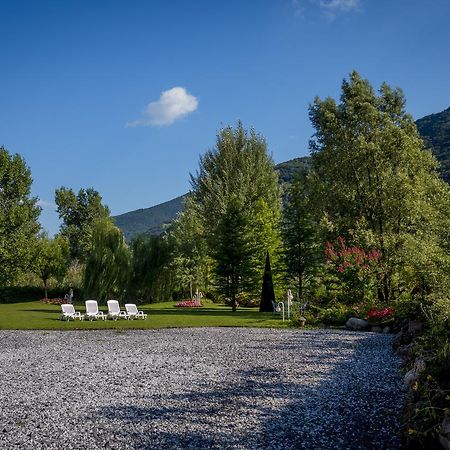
point(374, 181)
point(299, 230)
point(190, 258)
point(108, 262)
point(238, 198)
point(78, 213)
point(151, 275)
point(52, 258)
point(19, 214)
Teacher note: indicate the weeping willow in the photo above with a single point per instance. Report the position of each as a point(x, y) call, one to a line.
point(108, 264)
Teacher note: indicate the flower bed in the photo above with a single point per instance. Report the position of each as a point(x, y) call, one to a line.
point(189, 304)
point(54, 301)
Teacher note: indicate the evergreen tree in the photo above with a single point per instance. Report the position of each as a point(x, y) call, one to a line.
point(300, 237)
point(19, 214)
point(238, 198)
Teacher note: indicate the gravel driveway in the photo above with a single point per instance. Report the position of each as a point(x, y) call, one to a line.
point(198, 388)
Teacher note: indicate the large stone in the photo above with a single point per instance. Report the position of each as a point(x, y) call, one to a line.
point(356, 324)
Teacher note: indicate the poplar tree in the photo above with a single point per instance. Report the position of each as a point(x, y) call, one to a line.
point(238, 198)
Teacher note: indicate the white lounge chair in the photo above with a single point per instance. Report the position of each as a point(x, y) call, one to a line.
point(92, 311)
point(133, 312)
point(68, 312)
point(114, 311)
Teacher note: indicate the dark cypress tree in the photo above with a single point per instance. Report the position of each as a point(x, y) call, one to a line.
point(267, 294)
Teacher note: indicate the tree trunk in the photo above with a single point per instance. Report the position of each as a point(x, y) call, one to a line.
point(45, 288)
point(300, 285)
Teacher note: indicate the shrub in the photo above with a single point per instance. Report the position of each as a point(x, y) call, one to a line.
point(18, 294)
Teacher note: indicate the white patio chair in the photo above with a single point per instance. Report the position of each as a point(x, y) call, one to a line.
point(133, 312)
point(92, 311)
point(114, 311)
point(68, 312)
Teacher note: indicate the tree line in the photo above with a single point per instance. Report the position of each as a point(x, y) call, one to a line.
point(367, 222)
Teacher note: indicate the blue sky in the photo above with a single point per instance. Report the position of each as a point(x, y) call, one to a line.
point(87, 87)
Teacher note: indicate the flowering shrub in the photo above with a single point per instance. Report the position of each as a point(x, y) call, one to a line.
point(54, 301)
point(189, 304)
point(380, 315)
point(354, 269)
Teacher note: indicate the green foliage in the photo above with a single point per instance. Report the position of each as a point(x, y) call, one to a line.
point(372, 179)
point(190, 256)
point(18, 217)
point(108, 263)
point(79, 213)
point(300, 238)
point(19, 294)
point(52, 259)
point(238, 199)
point(336, 314)
point(151, 276)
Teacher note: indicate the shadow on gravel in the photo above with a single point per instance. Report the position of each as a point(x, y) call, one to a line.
point(353, 403)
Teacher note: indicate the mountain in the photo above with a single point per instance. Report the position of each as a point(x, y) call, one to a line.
point(149, 220)
point(155, 219)
point(434, 129)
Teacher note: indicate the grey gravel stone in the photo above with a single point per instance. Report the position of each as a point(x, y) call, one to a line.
point(204, 388)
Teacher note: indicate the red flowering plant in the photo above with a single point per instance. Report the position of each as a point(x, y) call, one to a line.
point(356, 268)
point(377, 316)
point(194, 303)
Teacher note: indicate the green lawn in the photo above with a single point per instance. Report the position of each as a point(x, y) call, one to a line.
point(39, 316)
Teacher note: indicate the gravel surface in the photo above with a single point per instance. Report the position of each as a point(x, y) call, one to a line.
point(198, 388)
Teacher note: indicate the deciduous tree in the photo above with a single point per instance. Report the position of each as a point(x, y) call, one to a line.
point(19, 214)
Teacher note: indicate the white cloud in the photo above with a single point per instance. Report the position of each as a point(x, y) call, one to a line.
point(330, 8)
point(171, 106)
point(44, 204)
point(333, 7)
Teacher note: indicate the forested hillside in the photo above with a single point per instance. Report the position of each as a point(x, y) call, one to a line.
point(435, 131)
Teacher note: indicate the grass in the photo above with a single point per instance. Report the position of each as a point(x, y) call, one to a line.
point(40, 316)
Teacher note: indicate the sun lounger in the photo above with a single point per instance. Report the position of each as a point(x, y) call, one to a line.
point(114, 311)
point(92, 311)
point(133, 312)
point(68, 312)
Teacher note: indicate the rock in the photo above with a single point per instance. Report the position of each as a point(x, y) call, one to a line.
point(413, 375)
point(415, 326)
point(375, 329)
point(356, 324)
point(410, 378)
point(386, 330)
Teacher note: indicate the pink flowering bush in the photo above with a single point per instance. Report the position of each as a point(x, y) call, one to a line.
point(189, 304)
point(355, 270)
point(380, 315)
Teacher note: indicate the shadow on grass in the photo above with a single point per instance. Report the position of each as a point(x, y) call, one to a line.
point(258, 409)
